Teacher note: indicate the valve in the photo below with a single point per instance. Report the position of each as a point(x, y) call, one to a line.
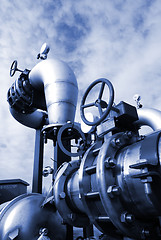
point(14, 68)
point(137, 99)
point(69, 132)
point(43, 51)
point(99, 103)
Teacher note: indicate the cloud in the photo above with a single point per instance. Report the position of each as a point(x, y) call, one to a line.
point(118, 40)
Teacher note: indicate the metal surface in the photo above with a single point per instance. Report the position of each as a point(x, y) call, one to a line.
point(150, 117)
point(61, 157)
point(26, 215)
point(62, 197)
point(60, 86)
point(34, 120)
point(114, 186)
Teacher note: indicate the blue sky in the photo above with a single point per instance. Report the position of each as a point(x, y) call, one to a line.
point(116, 39)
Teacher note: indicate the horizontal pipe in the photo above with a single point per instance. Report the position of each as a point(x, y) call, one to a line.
point(149, 117)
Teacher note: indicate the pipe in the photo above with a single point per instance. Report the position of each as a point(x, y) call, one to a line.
point(150, 117)
point(60, 87)
point(34, 120)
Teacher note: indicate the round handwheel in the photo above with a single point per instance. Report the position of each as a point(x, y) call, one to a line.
point(99, 103)
point(67, 133)
point(13, 68)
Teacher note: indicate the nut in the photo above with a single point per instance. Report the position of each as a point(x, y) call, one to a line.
point(113, 191)
point(127, 218)
point(110, 162)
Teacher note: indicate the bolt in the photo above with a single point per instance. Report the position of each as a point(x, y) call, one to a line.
point(127, 218)
point(55, 131)
point(145, 233)
point(110, 162)
point(14, 234)
point(147, 179)
point(48, 170)
point(128, 134)
point(45, 136)
point(116, 142)
point(113, 191)
point(62, 195)
point(71, 216)
point(64, 222)
point(43, 231)
point(69, 131)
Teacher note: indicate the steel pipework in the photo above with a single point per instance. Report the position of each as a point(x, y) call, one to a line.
point(117, 186)
point(150, 117)
point(59, 84)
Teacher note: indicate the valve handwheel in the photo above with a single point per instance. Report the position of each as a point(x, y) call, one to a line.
point(99, 103)
point(68, 132)
point(13, 68)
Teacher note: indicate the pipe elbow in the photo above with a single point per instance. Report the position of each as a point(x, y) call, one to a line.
point(150, 117)
point(34, 120)
point(59, 84)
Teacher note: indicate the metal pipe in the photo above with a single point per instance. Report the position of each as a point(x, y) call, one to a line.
point(60, 87)
point(34, 120)
point(150, 117)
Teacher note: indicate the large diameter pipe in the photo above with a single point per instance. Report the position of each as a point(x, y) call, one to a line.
point(150, 117)
point(60, 86)
point(121, 193)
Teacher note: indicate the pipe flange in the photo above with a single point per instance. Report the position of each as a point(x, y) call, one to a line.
point(68, 132)
point(110, 192)
point(20, 94)
point(61, 198)
point(90, 194)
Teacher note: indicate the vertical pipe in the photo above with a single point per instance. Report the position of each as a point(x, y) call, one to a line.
point(38, 163)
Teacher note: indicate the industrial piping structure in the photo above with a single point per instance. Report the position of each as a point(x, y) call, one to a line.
point(111, 179)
